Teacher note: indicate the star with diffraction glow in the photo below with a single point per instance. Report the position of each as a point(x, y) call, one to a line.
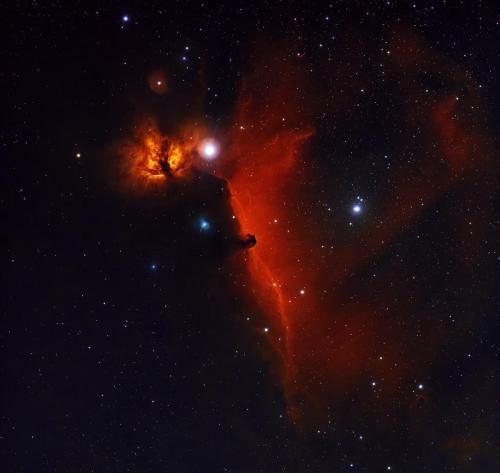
point(209, 149)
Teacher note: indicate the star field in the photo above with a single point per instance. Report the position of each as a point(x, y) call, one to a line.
point(250, 237)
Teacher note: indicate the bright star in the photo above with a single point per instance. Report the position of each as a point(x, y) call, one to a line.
point(154, 267)
point(356, 208)
point(125, 18)
point(204, 225)
point(209, 149)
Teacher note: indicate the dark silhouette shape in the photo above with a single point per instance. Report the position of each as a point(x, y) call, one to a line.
point(249, 241)
point(165, 167)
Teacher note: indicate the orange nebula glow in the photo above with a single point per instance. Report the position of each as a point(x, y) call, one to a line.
point(150, 158)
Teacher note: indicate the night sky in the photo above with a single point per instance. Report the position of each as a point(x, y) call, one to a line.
point(250, 237)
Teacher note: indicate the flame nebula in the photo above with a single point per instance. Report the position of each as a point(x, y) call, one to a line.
point(150, 157)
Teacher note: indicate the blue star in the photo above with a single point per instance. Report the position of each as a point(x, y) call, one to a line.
point(204, 225)
point(153, 266)
point(356, 208)
point(125, 18)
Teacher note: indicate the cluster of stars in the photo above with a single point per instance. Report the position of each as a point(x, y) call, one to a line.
point(357, 207)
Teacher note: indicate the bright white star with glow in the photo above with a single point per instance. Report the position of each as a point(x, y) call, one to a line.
point(209, 149)
point(357, 206)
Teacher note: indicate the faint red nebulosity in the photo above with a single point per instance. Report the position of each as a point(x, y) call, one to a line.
point(157, 82)
point(266, 174)
point(325, 348)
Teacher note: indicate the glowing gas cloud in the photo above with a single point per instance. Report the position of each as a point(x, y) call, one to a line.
point(149, 158)
point(325, 346)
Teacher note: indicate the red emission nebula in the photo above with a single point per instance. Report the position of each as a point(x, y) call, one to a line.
point(324, 348)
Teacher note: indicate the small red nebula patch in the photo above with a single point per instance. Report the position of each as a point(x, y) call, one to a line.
point(157, 82)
